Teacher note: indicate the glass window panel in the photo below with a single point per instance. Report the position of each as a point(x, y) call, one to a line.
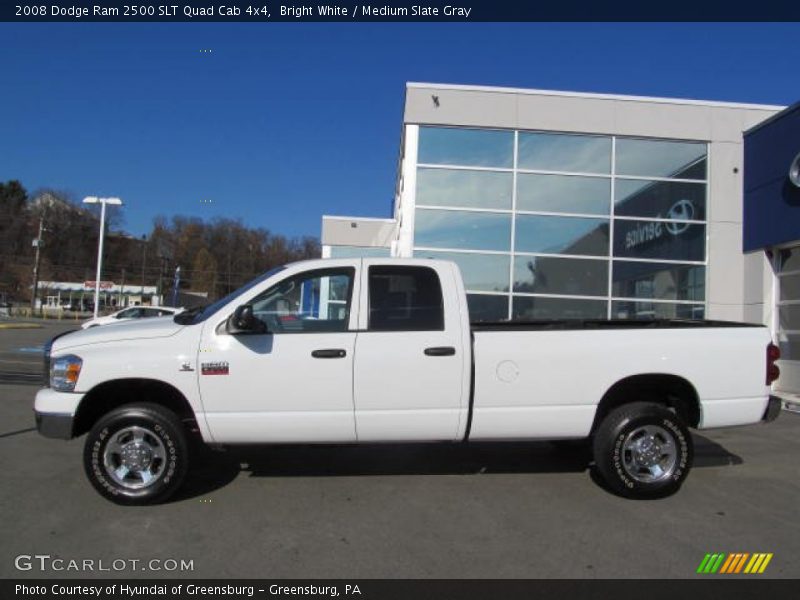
point(660, 199)
point(526, 307)
point(562, 235)
point(466, 147)
point(459, 229)
point(359, 251)
point(658, 280)
point(659, 158)
point(483, 307)
point(789, 316)
point(656, 239)
point(563, 193)
point(789, 287)
point(403, 298)
point(550, 275)
point(564, 152)
point(656, 310)
point(789, 259)
point(790, 346)
point(308, 302)
point(481, 272)
point(470, 189)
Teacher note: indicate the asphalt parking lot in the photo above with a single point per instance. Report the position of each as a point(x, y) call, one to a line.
point(487, 510)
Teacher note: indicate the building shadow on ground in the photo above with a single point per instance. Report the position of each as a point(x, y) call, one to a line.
point(218, 468)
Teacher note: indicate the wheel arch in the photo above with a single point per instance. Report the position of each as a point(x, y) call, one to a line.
point(669, 390)
point(109, 395)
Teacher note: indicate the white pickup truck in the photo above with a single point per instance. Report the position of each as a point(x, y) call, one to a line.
point(382, 350)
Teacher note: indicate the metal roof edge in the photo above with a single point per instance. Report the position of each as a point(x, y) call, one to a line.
point(786, 111)
point(591, 95)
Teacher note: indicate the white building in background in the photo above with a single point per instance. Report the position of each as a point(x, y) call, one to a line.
point(559, 204)
point(77, 295)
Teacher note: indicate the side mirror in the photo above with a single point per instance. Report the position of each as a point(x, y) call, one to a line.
point(242, 321)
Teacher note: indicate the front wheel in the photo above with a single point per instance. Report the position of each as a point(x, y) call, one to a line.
point(137, 454)
point(643, 450)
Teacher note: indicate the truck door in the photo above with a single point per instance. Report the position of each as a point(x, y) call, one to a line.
point(295, 382)
point(411, 377)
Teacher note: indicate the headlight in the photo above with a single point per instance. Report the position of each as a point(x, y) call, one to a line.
point(64, 372)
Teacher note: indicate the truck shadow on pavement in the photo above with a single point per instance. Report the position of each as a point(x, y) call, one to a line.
point(218, 469)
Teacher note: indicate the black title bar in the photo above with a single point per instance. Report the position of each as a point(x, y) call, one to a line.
point(255, 11)
point(744, 587)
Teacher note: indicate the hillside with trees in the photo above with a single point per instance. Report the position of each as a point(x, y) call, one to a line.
point(215, 256)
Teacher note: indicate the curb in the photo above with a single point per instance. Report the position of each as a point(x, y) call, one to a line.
point(20, 326)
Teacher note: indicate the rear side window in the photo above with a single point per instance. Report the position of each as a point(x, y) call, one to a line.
point(405, 299)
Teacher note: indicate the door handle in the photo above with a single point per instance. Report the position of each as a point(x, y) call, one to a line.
point(329, 353)
point(440, 351)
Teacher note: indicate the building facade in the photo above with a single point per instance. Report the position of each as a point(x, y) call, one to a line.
point(772, 229)
point(566, 205)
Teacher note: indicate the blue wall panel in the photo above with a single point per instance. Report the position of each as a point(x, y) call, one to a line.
point(771, 201)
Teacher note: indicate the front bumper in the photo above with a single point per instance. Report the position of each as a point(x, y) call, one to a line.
point(774, 406)
point(55, 412)
point(54, 425)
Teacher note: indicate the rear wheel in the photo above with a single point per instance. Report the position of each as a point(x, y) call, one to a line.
point(643, 450)
point(137, 454)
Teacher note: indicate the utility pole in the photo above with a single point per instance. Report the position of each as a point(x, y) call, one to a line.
point(161, 273)
point(37, 243)
point(144, 258)
point(121, 289)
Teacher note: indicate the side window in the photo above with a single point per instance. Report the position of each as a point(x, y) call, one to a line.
point(316, 301)
point(405, 299)
point(131, 313)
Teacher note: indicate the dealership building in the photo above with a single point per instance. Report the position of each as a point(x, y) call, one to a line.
point(572, 205)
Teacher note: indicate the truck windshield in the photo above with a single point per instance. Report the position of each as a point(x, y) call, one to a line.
point(201, 313)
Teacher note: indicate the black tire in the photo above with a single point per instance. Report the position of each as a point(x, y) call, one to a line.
point(137, 454)
point(643, 450)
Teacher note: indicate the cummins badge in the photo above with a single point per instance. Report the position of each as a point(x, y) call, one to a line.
point(214, 368)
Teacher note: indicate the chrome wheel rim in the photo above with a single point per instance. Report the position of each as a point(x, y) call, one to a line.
point(649, 454)
point(134, 457)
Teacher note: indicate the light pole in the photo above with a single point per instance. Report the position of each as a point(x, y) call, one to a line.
point(102, 202)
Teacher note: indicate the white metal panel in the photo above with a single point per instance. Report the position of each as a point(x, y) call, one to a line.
point(136, 350)
point(273, 379)
point(402, 394)
point(50, 401)
point(520, 370)
point(733, 411)
point(405, 204)
point(587, 95)
point(275, 390)
point(532, 422)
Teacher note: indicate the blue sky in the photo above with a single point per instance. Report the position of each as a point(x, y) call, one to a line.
point(282, 123)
